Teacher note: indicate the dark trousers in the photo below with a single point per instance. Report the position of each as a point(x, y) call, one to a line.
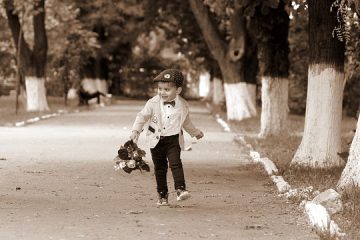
point(167, 152)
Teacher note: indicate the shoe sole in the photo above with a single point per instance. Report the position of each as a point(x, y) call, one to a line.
point(162, 204)
point(183, 197)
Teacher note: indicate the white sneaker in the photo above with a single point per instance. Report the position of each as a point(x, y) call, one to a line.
point(182, 194)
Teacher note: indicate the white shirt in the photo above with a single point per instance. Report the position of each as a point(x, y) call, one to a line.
point(171, 117)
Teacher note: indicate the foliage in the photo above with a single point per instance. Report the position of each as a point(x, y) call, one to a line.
point(69, 42)
point(7, 51)
point(352, 66)
point(342, 31)
point(117, 25)
point(115, 20)
point(344, 9)
point(172, 41)
point(175, 30)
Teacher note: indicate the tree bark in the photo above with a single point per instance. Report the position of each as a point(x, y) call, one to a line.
point(218, 95)
point(274, 111)
point(230, 60)
point(350, 176)
point(272, 32)
point(241, 95)
point(321, 140)
point(33, 62)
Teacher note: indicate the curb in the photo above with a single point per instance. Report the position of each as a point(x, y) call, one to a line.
point(36, 119)
point(318, 216)
point(43, 117)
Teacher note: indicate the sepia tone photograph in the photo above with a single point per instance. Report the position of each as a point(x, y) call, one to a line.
point(181, 120)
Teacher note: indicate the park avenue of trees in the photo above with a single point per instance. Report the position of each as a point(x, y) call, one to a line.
point(243, 43)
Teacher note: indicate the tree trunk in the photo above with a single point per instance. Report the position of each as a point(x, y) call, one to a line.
point(274, 97)
point(274, 61)
point(230, 59)
point(240, 100)
point(33, 62)
point(350, 176)
point(218, 96)
point(321, 140)
point(36, 94)
point(204, 84)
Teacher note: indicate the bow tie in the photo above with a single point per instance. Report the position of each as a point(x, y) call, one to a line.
point(172, 103)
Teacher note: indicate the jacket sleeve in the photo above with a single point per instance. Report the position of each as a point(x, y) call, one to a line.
point(189, 127)
point(142, 117)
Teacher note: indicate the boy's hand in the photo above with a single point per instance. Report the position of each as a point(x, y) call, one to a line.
point(134, 136)
point(200, 135)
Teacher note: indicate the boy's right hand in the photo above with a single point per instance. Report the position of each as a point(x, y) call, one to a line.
point(134, 136)
point(200, 135)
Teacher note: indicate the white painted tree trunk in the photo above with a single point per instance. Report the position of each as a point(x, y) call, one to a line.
point(274, 111)
point(204, 84)
point(351, 174)
point(218, 92)
point(36, 94)
point(321, 140)
point(240, 100)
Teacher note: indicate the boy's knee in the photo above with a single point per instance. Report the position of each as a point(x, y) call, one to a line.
point(176, 165)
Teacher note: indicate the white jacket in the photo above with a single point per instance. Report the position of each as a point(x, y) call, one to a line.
point(151, 116)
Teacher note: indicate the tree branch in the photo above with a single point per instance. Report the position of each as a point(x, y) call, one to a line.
point(211, 35)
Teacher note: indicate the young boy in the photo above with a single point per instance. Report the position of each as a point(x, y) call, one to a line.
point(167, 114)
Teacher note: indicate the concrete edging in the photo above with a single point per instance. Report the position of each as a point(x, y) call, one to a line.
point(43, 117)
point(318, 216)
point(38, 118)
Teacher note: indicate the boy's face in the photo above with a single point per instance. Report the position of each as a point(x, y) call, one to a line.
point(168, 91)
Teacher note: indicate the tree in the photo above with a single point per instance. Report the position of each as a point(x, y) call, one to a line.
point(117, 25)
point(69, 41)
point(231, 56)
point(32, 63)
point(350, 176)
point(269, 24)
point(172, 41)
point(298, 56)
point(321, 140)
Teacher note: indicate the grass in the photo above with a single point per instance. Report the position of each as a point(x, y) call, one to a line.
point(281, 151)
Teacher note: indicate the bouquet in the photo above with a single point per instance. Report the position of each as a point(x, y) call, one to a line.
point(129, 158)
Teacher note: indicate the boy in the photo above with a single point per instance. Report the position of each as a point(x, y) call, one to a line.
point(167, 114)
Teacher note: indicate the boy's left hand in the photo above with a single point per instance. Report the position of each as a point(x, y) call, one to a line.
point(200, 135)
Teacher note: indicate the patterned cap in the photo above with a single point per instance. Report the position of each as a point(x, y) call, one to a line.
point(170, 75)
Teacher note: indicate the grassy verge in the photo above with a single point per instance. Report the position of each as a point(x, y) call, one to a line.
point(281, 151)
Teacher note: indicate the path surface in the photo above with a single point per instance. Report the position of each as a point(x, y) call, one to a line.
point(57, 182)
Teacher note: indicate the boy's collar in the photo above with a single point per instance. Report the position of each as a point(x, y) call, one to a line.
point(157, 98)
point(176, 99)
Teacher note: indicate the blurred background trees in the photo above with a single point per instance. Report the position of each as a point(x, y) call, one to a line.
point(126, 43)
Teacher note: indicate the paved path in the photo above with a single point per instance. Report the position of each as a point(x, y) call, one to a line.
point(57, 182)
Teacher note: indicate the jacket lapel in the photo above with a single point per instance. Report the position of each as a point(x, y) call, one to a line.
point(184, 111)
point(157, 111)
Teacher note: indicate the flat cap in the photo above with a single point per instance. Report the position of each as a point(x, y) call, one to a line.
point(170, 75)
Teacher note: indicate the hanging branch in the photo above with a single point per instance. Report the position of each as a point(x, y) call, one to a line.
point(342, 30)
